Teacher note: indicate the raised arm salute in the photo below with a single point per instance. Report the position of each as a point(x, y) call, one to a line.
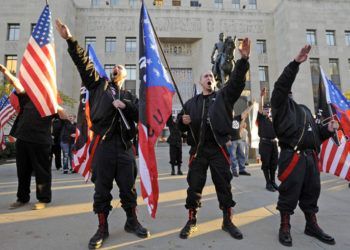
point(300, 139)
point(113, 159)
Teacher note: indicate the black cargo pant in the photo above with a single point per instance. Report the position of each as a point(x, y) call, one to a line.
point(268, 154)
point(56, 151)
point(33, 157)
point(112, 162)
point(175, 155)
point(299, 184)
point(218, 160)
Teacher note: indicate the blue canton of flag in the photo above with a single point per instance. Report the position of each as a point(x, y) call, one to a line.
point(4, 101)
point(156, 74)
point(334, 95)
point(43, 33)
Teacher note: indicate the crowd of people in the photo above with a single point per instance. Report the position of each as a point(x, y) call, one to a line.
point(218, 140)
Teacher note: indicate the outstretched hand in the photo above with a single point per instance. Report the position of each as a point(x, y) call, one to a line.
point(303, 54)
point(2, 68)
point(63, 30)
point(245, 48)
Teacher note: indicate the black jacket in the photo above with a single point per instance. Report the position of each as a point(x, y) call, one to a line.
point(289, 117)
point(220, 110)
point(175, 137)
point(104, 116)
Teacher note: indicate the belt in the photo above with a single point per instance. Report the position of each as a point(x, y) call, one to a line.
point(267, 139)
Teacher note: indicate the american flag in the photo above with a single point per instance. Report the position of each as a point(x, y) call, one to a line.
point(6, 113)
point(37, 72)
point(333, 158)
point(155, 104)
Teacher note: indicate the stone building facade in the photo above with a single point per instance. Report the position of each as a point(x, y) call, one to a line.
point(188, 30)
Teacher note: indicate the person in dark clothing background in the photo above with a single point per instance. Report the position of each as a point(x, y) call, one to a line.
point(113, 159)
point(207, 118)
point(56, 147)
point(175, 146)
point(33, 148)
point(300, 139)
point(268, 144)
point(67, 141)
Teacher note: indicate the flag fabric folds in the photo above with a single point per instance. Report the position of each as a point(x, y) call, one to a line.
point(335, 158)
point(84, 145)
point(155, 100)
point(37, 72)
point(6, 113)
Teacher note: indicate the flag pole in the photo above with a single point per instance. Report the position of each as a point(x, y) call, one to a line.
point(46, 2)
point(171, 75)
point(335, 136)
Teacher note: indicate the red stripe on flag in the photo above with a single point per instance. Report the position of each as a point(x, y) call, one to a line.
point(331, 157)
point(30, 93)
point(341, 162)
point(40, 86)
point(40, 63)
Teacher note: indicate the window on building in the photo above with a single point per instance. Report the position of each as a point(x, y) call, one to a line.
point(95, 3)
point(264, 81)
point(90, 40)
point(158, 3)
point(311, 37)
point(218, 4)
point(32, 27)
point(11, 63)
point(130, 44)
point(13, 31)
point(114, 2)
point(261, 46)
point(176, 2)
point(334, 71)
point(236, 4)
point(110, 44)
point(133, 3)
point(347, 38)
point(131, 70)
point(315, 80)
point(109, 68)
point(330, 37)
point(195, 3)
point(349, 63)
point(252, 4)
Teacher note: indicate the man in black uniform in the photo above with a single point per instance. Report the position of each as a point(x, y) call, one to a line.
point(33, 148)
point(300, 139)
point(56, 147)
point(267, 145)
point(175, 146)
point(113, 159)
point(207, 118)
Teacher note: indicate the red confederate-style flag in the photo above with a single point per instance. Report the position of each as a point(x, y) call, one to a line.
point(155, 100)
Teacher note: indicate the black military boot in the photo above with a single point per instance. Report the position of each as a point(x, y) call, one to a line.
point(273, 179)
point(313, 229)
point(132, 225)
point(269, 186)
point(191, 225)
point(284, 234)
point(172, 169)
point(228, 226)
point(179, 172)
point(102, 232)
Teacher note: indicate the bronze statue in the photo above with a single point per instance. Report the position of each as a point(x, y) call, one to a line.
point(224, 59)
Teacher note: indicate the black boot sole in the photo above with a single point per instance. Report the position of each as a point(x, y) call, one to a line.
point(193, 230)
point(285, 243)
point(237, 237)
point(143, 236)
point(307, 232)
point(99, 245)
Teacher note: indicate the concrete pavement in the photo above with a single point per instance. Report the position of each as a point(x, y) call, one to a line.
point(68, 222)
